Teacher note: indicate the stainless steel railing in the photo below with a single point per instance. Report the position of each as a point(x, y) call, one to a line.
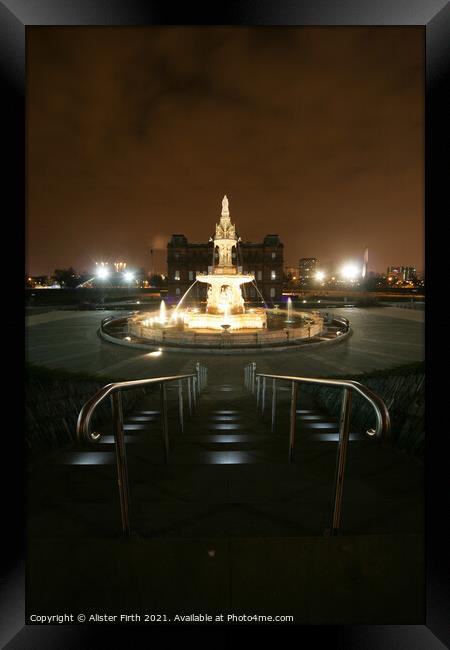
point(196, 382)
point(257, 383)
point(110, 319)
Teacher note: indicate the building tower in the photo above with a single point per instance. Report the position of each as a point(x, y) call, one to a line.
point(365, 263)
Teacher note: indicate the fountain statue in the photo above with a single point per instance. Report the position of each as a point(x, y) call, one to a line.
point(225, 302)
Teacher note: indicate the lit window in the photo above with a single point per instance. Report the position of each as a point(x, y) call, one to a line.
point(272, 292)
point(176, 275)
point(274, 255)
point(273, 275)
point(177, 291)
point(191, 275)
point(259, 275)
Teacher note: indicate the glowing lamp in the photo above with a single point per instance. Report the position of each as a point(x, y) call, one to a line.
point(103, 273)
point(349, 271)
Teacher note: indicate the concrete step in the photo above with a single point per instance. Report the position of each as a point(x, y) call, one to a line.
point(228, 525)
point(227, 459)
point(382, 498)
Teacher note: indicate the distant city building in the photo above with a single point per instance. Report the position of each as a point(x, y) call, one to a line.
point(39, 281)
point(264, 260)
point(120, 266)
point(307, 269)
point(291, 273)
point(401, 274)
point(409, 273)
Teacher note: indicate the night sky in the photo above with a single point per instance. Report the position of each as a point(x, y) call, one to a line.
point(315, 134)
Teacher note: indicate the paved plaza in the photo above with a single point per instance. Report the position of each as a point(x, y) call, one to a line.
point(382, 337)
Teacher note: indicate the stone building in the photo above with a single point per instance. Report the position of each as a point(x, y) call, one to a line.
point(263, 260)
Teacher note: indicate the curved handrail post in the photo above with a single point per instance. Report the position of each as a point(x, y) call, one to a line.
point(194, 391)
point(180, 404)
point(189, 392)
point(197, 370)
point(263, 400)
point(382, 414)
point(292, 421)
point(121, 461)
point(165, 425)
point(380, 432)
point(114, 392)
point(344, 434)
point(274, 403)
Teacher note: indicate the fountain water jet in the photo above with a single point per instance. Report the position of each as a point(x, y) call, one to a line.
point(260, 295)
point(289, 311)
point(162, 313)
point(175, 311)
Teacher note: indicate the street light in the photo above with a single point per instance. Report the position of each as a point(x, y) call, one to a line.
point(128, 276)
point(320, 276)
point(103, 273)
point(349, 271)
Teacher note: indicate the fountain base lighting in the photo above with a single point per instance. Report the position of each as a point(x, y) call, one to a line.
point(252, 319)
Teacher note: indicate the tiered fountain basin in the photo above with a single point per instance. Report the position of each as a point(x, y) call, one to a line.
point(254, 319)
point(173, 332)
point(225, 310)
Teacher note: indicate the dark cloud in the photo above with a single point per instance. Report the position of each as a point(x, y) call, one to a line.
point(136, 133)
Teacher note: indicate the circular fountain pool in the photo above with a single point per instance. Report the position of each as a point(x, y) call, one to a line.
point(225, 320)
point(160, 329)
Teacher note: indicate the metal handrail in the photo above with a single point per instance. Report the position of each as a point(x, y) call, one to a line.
point(110, 319)
point(342, 320)
point(256, 382)
point(195, 384)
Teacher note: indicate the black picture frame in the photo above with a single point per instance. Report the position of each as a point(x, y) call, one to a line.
point(15, 16)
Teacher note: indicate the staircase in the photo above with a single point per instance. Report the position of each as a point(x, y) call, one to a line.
point(228, 523)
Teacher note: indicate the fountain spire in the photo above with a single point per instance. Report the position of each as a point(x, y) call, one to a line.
point(225, 236)
point(225, 211)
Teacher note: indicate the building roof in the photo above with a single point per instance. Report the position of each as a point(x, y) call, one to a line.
point(269, 240)
point(272, 240)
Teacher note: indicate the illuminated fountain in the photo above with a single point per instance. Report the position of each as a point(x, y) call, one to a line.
point(225, 303)
point(226, 321)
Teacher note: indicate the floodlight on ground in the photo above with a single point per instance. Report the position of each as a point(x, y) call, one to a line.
point(102, 273)
point(349, 271)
